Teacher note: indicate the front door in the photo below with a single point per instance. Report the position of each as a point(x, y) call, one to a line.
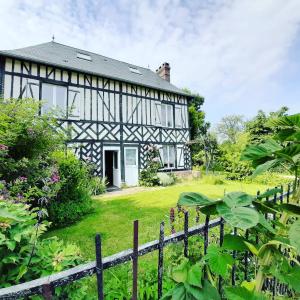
point(111, 167)
point(131, 166)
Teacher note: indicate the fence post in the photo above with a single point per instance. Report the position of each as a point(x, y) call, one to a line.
point(135, 259)
point(99, 267)
point(186, 231)
point(288, 193)
point(47, 291)
point(221, 243)
point(281, 194)
point(160, 259)
point(206, 234)
point(234, 266)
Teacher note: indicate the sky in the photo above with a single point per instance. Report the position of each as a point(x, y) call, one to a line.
point(241, 55)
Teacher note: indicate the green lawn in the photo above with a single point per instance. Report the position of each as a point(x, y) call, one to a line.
point(113, 216)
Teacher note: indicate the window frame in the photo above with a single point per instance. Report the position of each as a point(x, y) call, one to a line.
point(54, 102)
point(166, 115)
point(167, 165)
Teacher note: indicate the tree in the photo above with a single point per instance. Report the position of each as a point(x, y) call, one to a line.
point(209, 150)
point(258, 127)
point(198, 125)
point(229, 127)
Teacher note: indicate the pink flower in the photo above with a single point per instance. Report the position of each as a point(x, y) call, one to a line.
point(22, 178)
point(3, 147)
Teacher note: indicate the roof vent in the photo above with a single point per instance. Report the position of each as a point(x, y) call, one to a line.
point(135, 70)
point(84, 56)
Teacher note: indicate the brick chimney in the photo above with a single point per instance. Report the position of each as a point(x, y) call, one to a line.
point(164, 71)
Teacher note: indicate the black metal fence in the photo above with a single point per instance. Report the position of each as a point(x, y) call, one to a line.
point(45, 286)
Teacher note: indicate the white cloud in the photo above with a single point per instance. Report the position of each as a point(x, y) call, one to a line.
point(229, 51)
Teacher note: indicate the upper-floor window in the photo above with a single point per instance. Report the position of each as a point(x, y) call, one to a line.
point(54, 97)
point(167, 115)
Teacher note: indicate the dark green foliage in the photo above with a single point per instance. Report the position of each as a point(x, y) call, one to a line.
point(73, 199)
point(259, 127)
point(229, 159)
point(198, 125)
point(148, 176)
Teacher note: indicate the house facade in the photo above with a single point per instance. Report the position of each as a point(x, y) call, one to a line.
point(112, 111)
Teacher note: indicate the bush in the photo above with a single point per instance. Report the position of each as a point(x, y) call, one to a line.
point(148, 176)
point(213, 179)
point(24, 256)
point(97, 185)
point(165, 179)
point(73, 199)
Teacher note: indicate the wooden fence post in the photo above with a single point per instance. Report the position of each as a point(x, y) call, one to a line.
point(160, 259)
point(99, 267)
point(135, 259)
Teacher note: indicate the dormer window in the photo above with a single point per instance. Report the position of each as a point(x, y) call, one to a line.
point(135, 70)
point(84, 56)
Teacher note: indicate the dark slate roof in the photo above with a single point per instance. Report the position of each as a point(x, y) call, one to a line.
point(60, 55)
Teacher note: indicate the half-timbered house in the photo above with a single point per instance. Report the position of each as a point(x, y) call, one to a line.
point(112, 110)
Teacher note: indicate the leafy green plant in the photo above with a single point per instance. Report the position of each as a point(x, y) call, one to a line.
point(73, 199)
point(190, 283)
point(19, 236)
point(278, 246)
point(97, 185)
point(165, 179)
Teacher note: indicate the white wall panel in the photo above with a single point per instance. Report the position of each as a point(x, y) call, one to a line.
point(8, 65)
point(7, 86)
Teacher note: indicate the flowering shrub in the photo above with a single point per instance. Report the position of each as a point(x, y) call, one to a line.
point(73, 199)
point(148, 176)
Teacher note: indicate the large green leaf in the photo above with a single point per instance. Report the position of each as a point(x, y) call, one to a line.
point(266, 166)
point(194, 275)
point(286, 121)
point(240, 217)
point(270, 192)
point(294, 235)
point(236, 199)
point(234, 242)
point(6, 215)
point(266, 224)
point(208, 292)
point(241, 293)
point(194, 199)
point(180, 273)
point(290, 208)
point(218, 261)
point(256, 152)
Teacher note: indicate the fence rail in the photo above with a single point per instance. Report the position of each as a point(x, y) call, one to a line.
point(45, 286)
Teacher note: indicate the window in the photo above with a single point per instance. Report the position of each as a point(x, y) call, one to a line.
point(135, 70)
point(130, 157)
point(178, 117)
point(167, 115)
point(168, 156)
point(84, 56)
point(55, 96)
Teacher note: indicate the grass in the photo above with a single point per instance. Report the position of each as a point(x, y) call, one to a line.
point(113, 216)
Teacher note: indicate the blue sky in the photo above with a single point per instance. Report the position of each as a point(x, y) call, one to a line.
point(241, 55)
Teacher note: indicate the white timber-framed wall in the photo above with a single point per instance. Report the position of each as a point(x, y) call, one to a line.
point(99, 112)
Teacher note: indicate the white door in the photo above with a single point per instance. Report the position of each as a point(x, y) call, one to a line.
point(131, 166)
point(116, 169)
point(115, 165)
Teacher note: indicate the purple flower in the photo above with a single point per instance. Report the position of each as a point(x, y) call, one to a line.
point(55, 177)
